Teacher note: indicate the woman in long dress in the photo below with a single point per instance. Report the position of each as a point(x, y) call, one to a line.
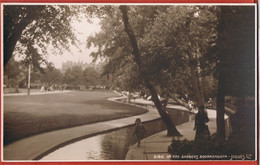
point(201, 128)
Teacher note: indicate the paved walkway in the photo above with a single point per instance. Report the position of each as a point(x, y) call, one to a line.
point(35, 147)
point(35, 93)
point(156, 147)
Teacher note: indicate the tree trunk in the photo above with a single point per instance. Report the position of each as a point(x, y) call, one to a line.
point(201, 87)
point(172, 131)
point(221, 105)
point(221, 75)
point(9, 43)
point(195, 83)
point(193, 67)
point(16, 32)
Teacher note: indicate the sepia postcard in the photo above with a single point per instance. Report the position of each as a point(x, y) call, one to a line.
point(129, 82)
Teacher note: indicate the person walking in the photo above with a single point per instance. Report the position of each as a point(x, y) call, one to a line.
point(202, 130)
point(140, 131)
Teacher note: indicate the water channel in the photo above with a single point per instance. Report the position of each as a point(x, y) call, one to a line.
point(113, 145)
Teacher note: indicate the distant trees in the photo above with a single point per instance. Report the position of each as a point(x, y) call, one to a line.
point(16, 75)
point(91, 77)
point(51, 75)
point(74, 76)
point(12, 73)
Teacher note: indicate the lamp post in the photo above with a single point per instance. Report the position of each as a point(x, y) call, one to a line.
point(29, 80)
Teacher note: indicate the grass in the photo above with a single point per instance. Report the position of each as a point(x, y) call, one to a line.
point(29, 115)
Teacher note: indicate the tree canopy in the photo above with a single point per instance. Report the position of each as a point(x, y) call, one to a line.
point(180, 46)
point(40, 27)
point(166, 44)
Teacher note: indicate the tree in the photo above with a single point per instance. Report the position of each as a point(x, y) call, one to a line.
point(235, 50)
point(31, 30)
point(74, 76)
point(91, 77)
point(50, 75)
point(15, 23)
point(181, 37)
point(164, 54)
point(172, 131)
point(114, 44)
point(38, 26)
point(12, 73)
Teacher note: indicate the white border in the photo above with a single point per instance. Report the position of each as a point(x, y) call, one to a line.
point(131, 4)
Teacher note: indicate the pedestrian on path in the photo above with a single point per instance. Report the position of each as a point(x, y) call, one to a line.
point(202, 130)
point(42, 88)
point(140, 131)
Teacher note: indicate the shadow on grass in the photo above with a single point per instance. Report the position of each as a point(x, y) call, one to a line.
point(20, 124)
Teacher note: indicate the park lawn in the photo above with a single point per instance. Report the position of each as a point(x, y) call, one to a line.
point(29, 115)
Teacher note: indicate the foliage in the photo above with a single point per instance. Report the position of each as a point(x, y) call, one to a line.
point(15, 23)
point(91, 77)
point(235, 145)
point(12, 69)
point(73, 76)
point(40, 27)
point(76, 76)
point(12, 73)
point(162, 39)
point(235, 50)
point(50, 75)
point(235, 53)
point(178, 41)
point(114, 44)
point(16, 74)
point(44, 31)
point(181, 49)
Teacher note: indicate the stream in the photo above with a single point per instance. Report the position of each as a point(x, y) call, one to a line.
point(115, 144)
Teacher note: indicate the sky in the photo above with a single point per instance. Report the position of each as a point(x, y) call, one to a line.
point(81, 54)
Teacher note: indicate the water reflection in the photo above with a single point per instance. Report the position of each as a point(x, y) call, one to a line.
point(113, 145)
point(116, 144)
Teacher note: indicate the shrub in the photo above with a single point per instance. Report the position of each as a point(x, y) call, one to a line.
point(235, 145)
